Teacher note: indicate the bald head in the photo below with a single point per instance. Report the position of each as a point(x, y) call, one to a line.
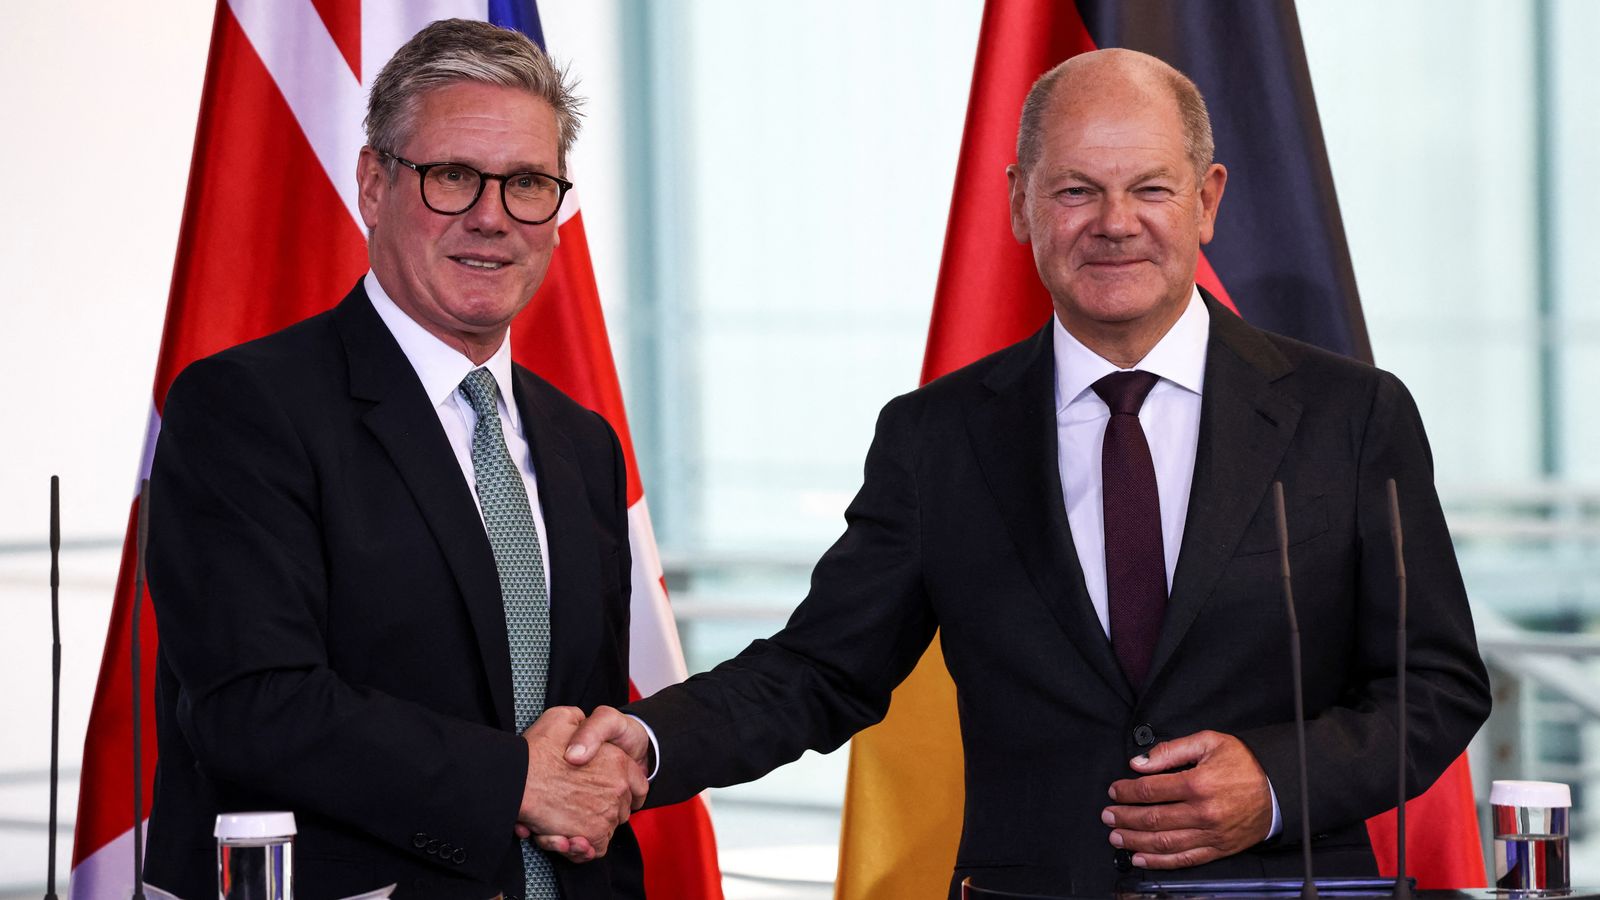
point(1125, 74)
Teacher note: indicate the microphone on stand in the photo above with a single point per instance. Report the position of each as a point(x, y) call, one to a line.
point(1402, 884)
point(55, 675)
point(143, 532)
point(1309, 890)
point(1344, 886)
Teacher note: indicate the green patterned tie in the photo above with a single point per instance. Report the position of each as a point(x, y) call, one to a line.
point(515, 542)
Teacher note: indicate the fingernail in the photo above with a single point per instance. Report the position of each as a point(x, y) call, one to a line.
point(1112, 792)
point(1144, 757)
point(575, 750)
point(1138, 860)
point(1108, 818)
point(1116, 839)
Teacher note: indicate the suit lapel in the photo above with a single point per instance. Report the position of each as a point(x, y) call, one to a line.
point(576, 600)
point(1014, 436)
point(1246, 425)
point(407, 427)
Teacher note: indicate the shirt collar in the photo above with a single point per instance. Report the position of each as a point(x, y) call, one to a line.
point(438, 365)
point(1179, 357)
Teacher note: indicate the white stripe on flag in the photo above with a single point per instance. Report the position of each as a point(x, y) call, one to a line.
point(152, 430)
point(385, 25)
point(107, 872)
point(655, 656)
point(315, 80)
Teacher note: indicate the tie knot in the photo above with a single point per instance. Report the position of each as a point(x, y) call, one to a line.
point(1124, 392)
point(480, 390)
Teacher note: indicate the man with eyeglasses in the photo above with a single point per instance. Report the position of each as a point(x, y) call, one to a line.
point(380, 551)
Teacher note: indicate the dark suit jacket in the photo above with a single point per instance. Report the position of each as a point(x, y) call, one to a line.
point(960, 526)
point(332, 635)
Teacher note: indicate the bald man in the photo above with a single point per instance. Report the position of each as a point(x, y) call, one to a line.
point(1087, 518)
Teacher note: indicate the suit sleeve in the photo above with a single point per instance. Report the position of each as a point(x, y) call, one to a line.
point(830, 671)
point(240, 586)
point(1353, 743)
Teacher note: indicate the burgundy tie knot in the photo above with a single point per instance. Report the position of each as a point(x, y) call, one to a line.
point(1124, 392)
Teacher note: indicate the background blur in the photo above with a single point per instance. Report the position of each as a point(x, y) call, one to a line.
point(765, 189)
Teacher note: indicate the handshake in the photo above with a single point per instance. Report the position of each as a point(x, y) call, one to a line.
point(585, 775)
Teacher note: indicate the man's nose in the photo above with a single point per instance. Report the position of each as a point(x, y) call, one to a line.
point(1118, 218)
point(488, 215)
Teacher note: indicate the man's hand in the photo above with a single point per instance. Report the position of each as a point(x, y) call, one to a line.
point(606, 725)
point(1220, 806)
point(576, 806)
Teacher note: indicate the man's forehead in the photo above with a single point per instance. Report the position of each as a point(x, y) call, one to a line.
point(487, 117)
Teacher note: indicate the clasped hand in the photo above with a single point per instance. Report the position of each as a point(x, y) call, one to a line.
point(1173, 817)
point(572, 802)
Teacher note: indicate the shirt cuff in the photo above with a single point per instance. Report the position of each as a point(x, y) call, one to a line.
point(655, 754)
point(1277, 814)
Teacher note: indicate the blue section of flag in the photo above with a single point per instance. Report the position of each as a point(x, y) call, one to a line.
point(1280, 248)
point(523, 15)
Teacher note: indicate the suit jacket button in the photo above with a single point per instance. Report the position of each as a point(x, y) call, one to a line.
point(444, 850)
point(1123, 859)
point(1144, 735)
point(459, 857)
point(419, 840)
point(433, 848)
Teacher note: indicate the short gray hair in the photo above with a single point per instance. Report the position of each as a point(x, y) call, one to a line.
point(452, 51)
point(1198, 143)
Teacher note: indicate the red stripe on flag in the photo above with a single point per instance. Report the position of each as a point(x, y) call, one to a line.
point(1444, 849)
point(266, 240)
point(989, 295)
point(562, 337)
point(342, 18)
point(105, 804)
point(1207, 278)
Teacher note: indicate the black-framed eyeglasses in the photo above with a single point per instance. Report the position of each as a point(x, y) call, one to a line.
point(450, 189)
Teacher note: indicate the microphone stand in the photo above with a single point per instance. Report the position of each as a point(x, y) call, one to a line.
point(1309, 890)
point(1338, 885)
point(1402, 884)
point(55, 675)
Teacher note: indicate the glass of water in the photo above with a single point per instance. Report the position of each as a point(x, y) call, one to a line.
point(255, 856)
point(1531, 831)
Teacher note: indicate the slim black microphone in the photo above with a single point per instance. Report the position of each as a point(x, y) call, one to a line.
point(55, 674)
point(1402, 884)
point(142, 535)
point(1309, 890)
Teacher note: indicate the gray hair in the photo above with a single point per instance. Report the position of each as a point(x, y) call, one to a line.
point(452, 51)
point(1198, 143)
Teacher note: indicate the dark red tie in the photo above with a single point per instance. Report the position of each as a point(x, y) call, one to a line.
point(1136, 568)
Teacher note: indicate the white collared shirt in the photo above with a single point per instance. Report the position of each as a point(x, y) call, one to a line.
point(441, 368)
point(1171, 421)
point(1170, 418)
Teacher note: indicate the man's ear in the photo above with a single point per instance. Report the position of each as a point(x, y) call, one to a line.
point(373, 181)
point(1017, 185)
point(1211, 187)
